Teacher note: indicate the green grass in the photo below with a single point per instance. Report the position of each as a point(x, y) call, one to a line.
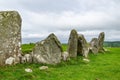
point(64, 46)
point(27, 48)
point(102, 67)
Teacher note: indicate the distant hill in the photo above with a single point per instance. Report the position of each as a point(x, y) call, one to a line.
point(112, 44)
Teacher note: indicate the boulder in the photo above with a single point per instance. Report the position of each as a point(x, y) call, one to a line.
point(28, 58)
point(82, 48)
point(72, 43)
point(17, 59)
point(100, 42)
point(10, 61)
point(65, 56)
point(48, 51)
point(10, 35)
point(94, 45)
point(23, 59)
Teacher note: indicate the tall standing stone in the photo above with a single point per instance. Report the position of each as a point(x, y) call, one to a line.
point(10, 35)
point(72, 43)
point(94, 45)
point(101, 41)
point(82, 48)
point(48, 51)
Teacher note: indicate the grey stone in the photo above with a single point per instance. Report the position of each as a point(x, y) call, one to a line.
point(43, 67)
point(65, 56)
point(10, 61)
point(86, 60)
point(94, 45)
point(100, 42)
point(72, 43)
point(82, 48)
point(28, 70)
point(10, 35)
point(17, 59)
point(23, 59)
point(28, 58)
point(48, 51)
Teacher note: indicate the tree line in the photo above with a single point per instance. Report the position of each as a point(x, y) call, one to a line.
point(112, 44)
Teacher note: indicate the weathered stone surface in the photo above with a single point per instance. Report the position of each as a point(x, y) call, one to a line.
point(94, 45)
point(82, 48)
point(101, 41)
point(10, 61)
point(28, 58)
point(65, 56)
point(48, 51)
point(23, 59)
point(10, 35)
point(72, 43)
point(28, 70)
point(86, 60)
point(43, 67)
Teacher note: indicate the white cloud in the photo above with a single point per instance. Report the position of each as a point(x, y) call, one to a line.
point(89, 17)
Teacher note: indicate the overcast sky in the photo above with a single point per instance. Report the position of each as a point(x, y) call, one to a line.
point(88, 17)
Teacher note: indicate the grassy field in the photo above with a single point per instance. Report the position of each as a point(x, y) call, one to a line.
point(101, 67)
point(27, 48)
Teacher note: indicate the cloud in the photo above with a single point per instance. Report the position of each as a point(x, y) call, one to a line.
point(89, 17)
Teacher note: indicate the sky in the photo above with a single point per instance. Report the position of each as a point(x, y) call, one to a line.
point(89, 17)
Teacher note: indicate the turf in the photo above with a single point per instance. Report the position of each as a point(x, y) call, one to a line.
point(101, 67)
point(27, 48)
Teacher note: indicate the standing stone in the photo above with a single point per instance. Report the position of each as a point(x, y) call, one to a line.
point(82, 48)
point(10, 35)
point(94, 45)
point(72, 43)
point(101, 41)
point(48, 51)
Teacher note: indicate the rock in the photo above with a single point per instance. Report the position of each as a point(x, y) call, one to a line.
point(65, 56)
point(100, 42)
point(72, 43)
point(10, 35)
point(86, 60)
point(28, 70)
point(82, 48)
point(48, 51)
point(97, 79)
point(17, 60)
point(10, 61)
point(43, 67)
point(23, 59)
point(28, 58)
point(94, 45)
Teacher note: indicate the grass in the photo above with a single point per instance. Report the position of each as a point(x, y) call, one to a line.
point(27, 48)
point(101, 67)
